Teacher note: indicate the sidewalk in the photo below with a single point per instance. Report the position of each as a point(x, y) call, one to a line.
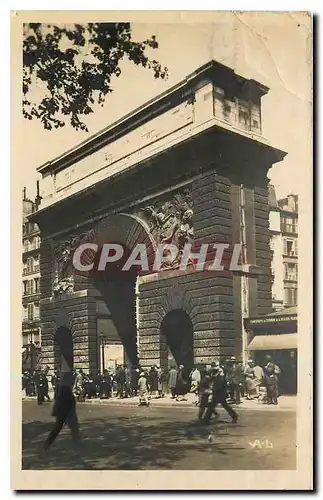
point(285, 403)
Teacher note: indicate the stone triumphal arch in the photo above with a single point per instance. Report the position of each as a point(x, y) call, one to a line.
point(189, 166)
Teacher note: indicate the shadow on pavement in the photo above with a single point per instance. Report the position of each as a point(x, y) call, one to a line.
point(128, 443)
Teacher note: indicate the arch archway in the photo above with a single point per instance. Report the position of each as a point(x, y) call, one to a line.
point(117, 288)
point(177, 332)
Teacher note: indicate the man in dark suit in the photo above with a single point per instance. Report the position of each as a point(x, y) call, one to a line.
point(219, 394)
point(64, 410)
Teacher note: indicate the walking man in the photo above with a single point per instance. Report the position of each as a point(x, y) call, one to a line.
point(219, 395)
point(64, 410)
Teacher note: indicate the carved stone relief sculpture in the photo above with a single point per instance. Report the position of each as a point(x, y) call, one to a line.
point(63, 282)
point(171, 221)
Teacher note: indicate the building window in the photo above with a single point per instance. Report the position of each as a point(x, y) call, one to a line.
point(36, 311)
point(291, 272)
point(36, 285)
point(30, 287)
point(30, 311)
point(26, 245)
point(29, 264)
point(25, 312)
point(244, 119)
point(244, 115)
point(290, 296)
point(289, 225)
point(25, 340)
point(290, 247)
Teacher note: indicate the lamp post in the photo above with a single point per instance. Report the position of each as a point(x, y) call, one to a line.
point(102, 342)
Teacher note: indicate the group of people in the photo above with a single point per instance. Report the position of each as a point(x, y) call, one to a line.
point(127, 382)
point(213, 385)
point(36, 384)
point(251, 381)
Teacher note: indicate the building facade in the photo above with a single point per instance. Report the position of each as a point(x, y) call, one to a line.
point(283, 218)
point(190, 164)
point(31, 328)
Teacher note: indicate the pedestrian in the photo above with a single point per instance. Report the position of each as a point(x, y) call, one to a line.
point(234, 378)
point(172, 378)
point(27, 383)
point(153, 381)
point(242, 384)
point(64, 410)
point(159, 382)
point(91, 386)
point(32, 383)
point(45, 382)
point(163, 381)
point(121, 382)
point(195, 379)
point(55, 382)
point(107, 381)
point(259, 379)
point(134, 380)
point(181, 387)
point(143, 390)
point(219, 395)
point(40, 387)
point(205, 393)
point(79, 389)
point(127, 381)
point(271, 374)
point(98, 380)
point(250, 380)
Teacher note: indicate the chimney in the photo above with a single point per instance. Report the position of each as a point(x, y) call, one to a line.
point(291, 202)
point(38, 197)
point(24, 194)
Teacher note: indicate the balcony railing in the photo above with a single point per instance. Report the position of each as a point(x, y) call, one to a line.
point(33, 270)
point(31, 319)
point(30, 297)
point(31, 248)
point(290, 277)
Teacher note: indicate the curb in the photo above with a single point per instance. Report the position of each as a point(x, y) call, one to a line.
point(177, 404)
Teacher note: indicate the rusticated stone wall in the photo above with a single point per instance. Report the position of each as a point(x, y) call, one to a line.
point(78, 313)
point(208, 301)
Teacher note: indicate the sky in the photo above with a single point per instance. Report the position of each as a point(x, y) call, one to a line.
point(273, 48)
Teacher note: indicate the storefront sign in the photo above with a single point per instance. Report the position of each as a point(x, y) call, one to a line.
point(269, 320)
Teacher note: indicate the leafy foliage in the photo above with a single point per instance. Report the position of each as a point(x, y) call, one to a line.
point(73, 66)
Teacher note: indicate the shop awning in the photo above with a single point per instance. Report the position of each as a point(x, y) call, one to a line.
point(272, 342)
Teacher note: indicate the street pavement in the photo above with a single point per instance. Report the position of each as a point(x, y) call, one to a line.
point(137, 438)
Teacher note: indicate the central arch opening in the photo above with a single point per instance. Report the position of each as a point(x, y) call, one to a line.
point(116, 319)
point(114, 339)
point(177, 332)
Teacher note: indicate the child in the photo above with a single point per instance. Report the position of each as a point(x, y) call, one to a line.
point(143, 390)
